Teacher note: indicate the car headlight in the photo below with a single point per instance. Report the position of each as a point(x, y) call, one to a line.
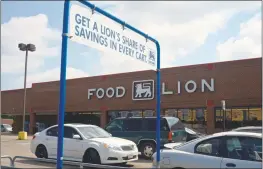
point(112, 147)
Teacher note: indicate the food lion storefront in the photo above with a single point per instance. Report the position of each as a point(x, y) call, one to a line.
point(191, 93)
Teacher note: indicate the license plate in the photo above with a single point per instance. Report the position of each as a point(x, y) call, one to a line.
point(130, 156)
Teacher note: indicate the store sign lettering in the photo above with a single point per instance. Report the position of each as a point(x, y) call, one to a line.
point(110, 92)
point(190, 87)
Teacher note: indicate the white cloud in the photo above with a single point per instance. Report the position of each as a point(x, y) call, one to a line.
point(246, 45)
point(180, 27)
point(52, 75)
point(33, 29)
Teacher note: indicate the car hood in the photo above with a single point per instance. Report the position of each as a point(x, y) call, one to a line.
point(113, 141)
point(172, 145)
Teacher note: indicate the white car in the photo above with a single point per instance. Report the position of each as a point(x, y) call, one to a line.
point(6, 128)
point(84, 143)
point(220, 150)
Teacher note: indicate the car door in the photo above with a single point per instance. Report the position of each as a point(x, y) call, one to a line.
point(72, 147)
point(50, 141)
point(132, 129)
point(207, 154)
point(242, 152)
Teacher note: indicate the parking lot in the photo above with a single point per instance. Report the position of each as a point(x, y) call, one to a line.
point(13, 147)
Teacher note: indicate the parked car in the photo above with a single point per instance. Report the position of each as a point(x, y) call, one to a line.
point(142, 131)
point(6, 128)
point(254, 129)
point(220, 150)
point(84, 143)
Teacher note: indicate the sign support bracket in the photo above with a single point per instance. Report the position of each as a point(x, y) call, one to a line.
point(63, 66)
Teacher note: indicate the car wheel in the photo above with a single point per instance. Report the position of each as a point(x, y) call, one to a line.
point(147, 149)
point(41, 152)
point(91, 156)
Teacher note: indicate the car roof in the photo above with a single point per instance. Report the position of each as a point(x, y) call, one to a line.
point(76, 125)
point(249, 127)
point(234, 133)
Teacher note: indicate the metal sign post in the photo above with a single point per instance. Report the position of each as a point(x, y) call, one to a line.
point(62, 91)
point(62, 95)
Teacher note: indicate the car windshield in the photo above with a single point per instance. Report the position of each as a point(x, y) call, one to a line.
point(94, 132)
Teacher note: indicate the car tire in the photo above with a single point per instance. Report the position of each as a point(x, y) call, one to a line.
point(41, 151)
point(91, 156)
point(147, 149)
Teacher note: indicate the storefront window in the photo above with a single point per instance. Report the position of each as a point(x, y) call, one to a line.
point(192, 118)
point(113, 114)
point(148, 113)
point(137, 113)
point(199, 119)
point(219, 115)
point(238, 117)
point(219, 118)
point(186, 115)
point(198, 114)
point(124, 113)
point(179, 114)
point(228, 120)
point(239, 114)
point(255, 114)
point(170, 113)
point(254, 117)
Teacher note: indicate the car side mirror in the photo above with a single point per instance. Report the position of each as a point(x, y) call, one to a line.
point(77, 137)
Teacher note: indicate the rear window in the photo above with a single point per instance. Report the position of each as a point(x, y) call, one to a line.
point(174, 123)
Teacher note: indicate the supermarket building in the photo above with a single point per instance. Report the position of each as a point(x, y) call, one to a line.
point(192, 93)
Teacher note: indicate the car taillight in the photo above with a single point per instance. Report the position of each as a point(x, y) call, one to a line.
point(33, 137)
point(170, 136)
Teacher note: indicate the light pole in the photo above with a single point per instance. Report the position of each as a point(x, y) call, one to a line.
point(31, 48)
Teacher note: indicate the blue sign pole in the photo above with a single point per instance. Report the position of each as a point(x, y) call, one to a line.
point(158, 106)
point(62, 91)
point(63, 77)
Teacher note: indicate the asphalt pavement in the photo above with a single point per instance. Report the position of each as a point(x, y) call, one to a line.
point(11, 146)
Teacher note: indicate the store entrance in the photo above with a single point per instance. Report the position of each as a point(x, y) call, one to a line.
point(85, 118)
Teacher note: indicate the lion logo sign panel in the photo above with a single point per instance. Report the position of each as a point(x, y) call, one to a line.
point(143, 90)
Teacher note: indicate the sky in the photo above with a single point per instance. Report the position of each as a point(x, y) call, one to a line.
point(189, 33)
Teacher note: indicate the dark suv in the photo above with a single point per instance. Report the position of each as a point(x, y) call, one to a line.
point(142, 131)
